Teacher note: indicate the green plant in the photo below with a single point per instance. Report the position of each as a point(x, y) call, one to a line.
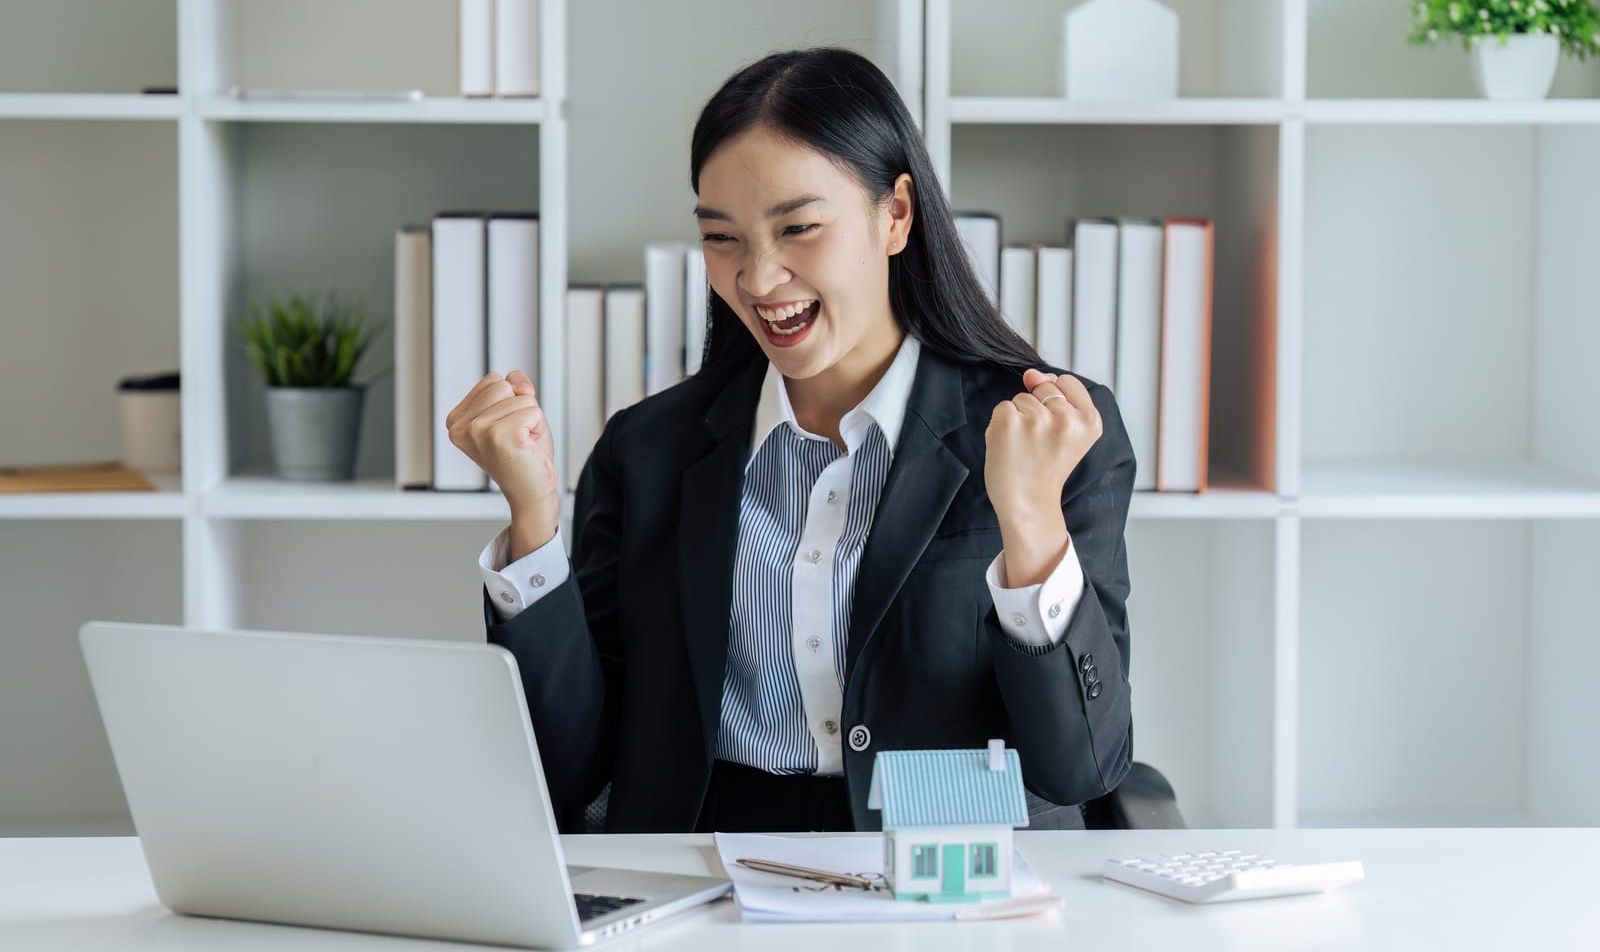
point(1574, 23)
point(301, 342)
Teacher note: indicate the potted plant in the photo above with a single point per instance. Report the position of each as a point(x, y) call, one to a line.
point(307, 351)
point(1514, 43)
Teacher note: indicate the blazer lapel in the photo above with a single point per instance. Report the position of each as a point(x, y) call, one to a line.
point(922, 481)
point(708, 536)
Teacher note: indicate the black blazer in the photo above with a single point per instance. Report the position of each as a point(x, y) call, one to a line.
point(623, 663)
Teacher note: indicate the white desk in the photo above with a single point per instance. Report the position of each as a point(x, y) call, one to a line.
point(1533, 889)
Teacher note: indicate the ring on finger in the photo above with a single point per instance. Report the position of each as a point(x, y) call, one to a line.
point(1054, 396)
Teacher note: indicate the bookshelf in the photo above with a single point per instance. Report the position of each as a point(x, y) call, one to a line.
point(1377, 639)
point(1393, 632)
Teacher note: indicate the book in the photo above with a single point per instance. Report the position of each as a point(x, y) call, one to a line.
point(460, 345)
point(664, 276)
point(475, 46)
point(585, 375)
point(696, 308)
point(1139, 277)
point(1094, 299)
point(1017, 289)
point(516, 48)
point(1053, 307)
point(624, 346)
point(980, 236)
point(413, 357)
point(1185, 405)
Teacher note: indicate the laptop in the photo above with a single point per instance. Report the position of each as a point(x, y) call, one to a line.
point(386, 785)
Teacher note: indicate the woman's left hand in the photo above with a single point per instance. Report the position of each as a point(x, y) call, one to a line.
point(1034, 442)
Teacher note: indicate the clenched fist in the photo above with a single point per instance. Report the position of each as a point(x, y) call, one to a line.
point(1034, 442)
point(501, 427)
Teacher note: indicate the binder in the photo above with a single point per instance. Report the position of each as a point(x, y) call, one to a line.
point(696, 308)
point(1185, 405)
point(624, 346)
point(980, 236)
point(1139, 285)
point(514, 293)
point(460, 344)
point(1053, 310)
point(516, 48)
point(475, 46)
point(665, 274)
point(585, 375)
point(413, 357)
point(1094, 299)
point(1017, 289)
point(513, 296)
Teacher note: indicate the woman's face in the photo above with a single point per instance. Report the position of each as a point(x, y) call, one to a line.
point(780, 224)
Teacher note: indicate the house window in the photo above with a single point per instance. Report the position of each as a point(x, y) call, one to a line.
point(924, 861)
point(983, 859)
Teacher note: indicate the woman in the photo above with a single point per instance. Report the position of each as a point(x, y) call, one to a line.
point(871, 522)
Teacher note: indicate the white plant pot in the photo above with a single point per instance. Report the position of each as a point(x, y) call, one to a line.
point(1522, 69)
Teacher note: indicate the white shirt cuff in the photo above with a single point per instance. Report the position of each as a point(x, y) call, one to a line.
point(1037, 614)
point(512, 588)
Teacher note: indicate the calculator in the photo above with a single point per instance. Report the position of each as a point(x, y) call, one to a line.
point(1228, 875)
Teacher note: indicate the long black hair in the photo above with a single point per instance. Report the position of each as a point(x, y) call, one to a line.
point(839, 103)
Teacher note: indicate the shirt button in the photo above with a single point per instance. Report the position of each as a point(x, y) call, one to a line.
point(833, 496)
point(1055, 610)
point(860, 738)
point(815, 555)
point(537, 581)
point(814, 643)
point(831, 727)
point(505, 597)
point(1018, 619)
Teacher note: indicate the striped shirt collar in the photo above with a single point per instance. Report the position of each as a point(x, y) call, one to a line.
point(885, 405)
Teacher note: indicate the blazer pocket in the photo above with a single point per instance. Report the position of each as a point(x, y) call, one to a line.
point(982, 543)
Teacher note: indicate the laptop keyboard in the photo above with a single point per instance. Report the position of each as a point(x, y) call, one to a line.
point(593, 907)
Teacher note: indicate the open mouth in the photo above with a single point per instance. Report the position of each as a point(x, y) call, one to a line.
point(795, 324)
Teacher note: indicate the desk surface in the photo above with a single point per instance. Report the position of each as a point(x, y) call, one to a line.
point(1425, 889)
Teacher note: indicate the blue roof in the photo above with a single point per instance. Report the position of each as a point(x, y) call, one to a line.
point(947, 788)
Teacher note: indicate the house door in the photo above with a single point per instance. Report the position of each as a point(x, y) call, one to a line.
point(955, 869)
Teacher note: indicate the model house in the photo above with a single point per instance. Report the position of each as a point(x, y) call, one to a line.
point(947, 821)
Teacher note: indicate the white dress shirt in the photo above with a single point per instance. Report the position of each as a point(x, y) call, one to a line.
point(784, 690)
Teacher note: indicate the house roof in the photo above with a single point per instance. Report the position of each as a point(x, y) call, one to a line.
point(947, 788)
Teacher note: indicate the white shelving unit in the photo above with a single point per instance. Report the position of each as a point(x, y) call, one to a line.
point(1380, 632)
point(1382, 614)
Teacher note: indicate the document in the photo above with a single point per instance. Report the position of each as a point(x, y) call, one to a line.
point(767, 897)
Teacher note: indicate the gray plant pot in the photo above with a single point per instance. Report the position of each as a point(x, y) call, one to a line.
point(314, 431)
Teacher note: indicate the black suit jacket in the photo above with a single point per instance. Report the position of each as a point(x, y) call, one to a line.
point(623, 663)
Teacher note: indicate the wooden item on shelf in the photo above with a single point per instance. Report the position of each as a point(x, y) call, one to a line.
point(74, 478)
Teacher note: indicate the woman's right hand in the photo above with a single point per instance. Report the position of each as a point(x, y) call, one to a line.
point(501, 427)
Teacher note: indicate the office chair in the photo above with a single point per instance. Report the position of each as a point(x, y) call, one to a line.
point(1142, 801)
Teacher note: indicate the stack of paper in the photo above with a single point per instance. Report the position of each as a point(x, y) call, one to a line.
point(767, 897)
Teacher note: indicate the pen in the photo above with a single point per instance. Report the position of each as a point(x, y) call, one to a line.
point(1006, 909)
point(805, 872)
